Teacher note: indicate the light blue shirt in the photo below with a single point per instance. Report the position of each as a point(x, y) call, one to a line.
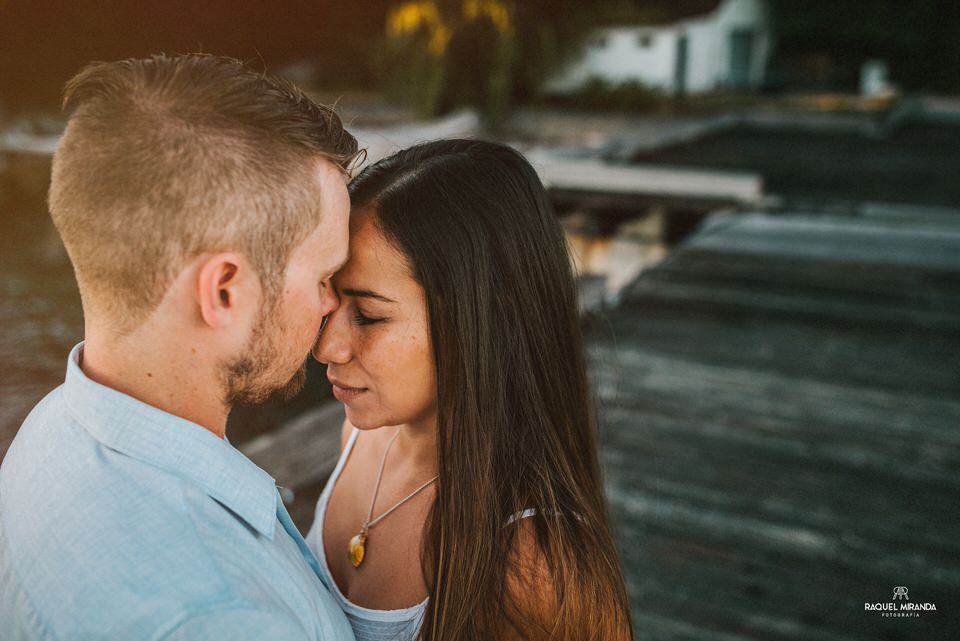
point(121, 521)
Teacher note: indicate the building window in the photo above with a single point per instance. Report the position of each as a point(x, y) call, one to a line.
point(645, 40)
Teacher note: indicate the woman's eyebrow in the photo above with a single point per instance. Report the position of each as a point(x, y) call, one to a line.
point(366, 293)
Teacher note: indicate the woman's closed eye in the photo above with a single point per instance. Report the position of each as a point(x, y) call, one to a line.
point(362, 319)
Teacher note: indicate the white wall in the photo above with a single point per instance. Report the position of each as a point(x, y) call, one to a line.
point(619, 59)
point(704, 61)
point(612, 54)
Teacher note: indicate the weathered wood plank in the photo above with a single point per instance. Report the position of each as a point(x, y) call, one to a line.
point(824, 307)
point(302, 452)
point(779, 429)
point(921, 288)
point(906, 360)
point(593, 176)
point(850, 240)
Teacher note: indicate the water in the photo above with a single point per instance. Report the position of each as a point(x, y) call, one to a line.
point(42, 319)
point(39, 303)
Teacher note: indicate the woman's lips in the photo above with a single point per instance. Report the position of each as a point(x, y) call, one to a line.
point(346, 394)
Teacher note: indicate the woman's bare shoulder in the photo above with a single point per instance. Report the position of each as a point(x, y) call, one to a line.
point(545, 600)
point(531, 595)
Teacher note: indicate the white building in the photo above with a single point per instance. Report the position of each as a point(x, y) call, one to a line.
point(699, 47)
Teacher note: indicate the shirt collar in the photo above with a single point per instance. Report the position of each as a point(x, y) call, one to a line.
point(173, 444)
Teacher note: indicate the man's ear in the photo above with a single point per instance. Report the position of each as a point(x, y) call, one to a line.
point(223, 280)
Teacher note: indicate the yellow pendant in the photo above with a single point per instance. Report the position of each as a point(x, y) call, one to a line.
point(357, 549)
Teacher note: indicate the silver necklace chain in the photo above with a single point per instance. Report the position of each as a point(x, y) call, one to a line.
point(376, 490)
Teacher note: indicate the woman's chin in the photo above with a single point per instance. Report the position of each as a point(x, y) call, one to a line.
point(361, 422)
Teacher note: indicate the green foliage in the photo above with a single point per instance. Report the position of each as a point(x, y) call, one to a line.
point(481, 62)
point(598, 94)
point(441, 59)
point(920, 39)
point(413, 75)
point(478, 69)
point(548, 33)
point(619, 12)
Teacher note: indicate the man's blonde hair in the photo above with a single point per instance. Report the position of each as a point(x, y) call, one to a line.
point(167, 157)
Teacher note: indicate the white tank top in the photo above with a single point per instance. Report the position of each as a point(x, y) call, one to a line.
point(368, 625)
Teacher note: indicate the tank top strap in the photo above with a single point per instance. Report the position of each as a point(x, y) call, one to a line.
point(342, 461)
point(526, 514)
point(314, 536)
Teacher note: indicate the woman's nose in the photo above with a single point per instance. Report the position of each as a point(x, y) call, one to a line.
point(331, 301)
point(333, 345)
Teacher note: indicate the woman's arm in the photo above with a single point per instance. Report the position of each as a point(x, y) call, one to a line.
point(541, 606)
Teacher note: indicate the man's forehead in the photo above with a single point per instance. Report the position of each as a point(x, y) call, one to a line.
point(345, 256)
point(330, 255)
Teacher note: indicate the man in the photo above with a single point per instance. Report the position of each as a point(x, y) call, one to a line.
point(204, 209)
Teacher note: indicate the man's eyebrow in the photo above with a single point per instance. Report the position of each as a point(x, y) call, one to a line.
point(366, 293)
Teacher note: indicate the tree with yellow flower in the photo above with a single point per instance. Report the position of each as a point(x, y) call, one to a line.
point(443, 54)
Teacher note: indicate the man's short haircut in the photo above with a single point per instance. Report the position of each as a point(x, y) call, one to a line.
point(167, 157)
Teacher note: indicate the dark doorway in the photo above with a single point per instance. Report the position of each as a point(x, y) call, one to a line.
point(680, 70)
point(741, 58)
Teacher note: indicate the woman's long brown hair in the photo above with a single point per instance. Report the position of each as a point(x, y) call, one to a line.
point(515, 425)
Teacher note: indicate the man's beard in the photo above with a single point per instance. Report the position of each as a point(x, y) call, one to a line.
point(246, 381)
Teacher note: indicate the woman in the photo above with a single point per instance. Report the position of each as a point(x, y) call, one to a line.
point(467, 503)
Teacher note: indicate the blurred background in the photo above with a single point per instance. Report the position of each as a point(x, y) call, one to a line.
point(763, 202)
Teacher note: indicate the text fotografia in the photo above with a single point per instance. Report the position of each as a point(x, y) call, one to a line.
point(901, 606)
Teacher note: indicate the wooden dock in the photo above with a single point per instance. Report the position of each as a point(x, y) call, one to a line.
point(780, 405)
point(300, 455)
point(599, 185)
point(780, 427)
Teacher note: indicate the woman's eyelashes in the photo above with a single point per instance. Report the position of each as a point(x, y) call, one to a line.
point(362, 319)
